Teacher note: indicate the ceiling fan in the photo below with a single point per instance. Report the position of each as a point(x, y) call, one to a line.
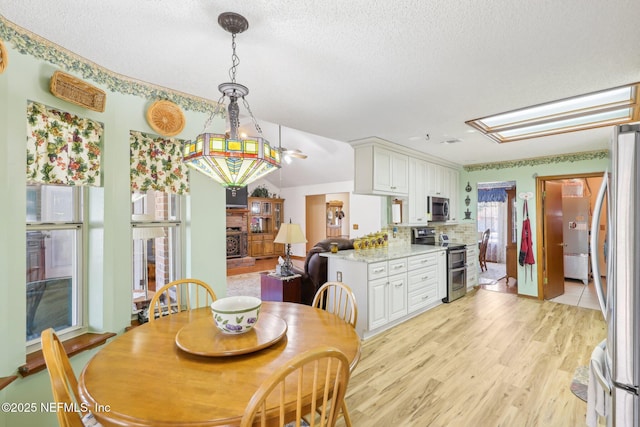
point(289, 154)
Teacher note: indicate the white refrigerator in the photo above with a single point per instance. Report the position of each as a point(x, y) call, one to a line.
point(615, 364)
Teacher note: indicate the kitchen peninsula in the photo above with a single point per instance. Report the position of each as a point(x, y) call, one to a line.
point(391, 285)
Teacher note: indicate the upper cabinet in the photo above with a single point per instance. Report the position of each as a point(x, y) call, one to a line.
point(381, 171)
point(453, 193)
point(387, 169)
point(436, 180)
point(418, 191)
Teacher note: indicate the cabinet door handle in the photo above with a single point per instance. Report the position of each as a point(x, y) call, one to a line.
point(424, 261)
point(397, 266)
point(378, 270)
point(398, 284)
point(425, 277)
point(425, 297)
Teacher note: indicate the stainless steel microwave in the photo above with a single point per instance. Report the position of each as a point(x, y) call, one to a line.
point(437, 209)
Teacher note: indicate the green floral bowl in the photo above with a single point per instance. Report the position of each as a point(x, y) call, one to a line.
point(236, 315)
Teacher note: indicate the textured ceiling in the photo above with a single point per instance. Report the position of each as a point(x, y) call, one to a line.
point(345, 70)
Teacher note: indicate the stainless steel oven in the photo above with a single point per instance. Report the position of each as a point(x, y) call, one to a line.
point(457, 272)
point(456, 260)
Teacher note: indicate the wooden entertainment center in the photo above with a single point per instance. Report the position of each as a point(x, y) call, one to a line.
point(265, 217)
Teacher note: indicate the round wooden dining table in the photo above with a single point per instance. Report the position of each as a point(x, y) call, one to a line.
point(144, 378)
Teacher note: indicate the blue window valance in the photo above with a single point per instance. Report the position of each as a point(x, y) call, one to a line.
point(492, 195)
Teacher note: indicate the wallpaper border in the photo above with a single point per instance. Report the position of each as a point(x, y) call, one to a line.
point(29, 43)
point(562, 158)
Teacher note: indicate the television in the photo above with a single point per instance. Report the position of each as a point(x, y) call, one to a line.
point(239, 200)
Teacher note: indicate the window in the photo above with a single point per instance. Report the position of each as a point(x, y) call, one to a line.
point(156, 230)
point(54, 285)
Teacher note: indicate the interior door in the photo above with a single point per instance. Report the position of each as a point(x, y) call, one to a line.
point(553, 279)
point(512, 236)
point(315, 214)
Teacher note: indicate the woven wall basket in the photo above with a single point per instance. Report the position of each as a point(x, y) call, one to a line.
point(76, 91)
point(4, 60)
point(165, 118)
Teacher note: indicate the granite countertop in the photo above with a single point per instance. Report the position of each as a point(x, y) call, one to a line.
point(383, 254)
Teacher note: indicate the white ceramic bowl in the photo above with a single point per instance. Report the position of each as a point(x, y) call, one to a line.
point(236, 315)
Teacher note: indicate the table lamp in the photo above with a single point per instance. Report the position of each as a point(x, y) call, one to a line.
point(289, 233)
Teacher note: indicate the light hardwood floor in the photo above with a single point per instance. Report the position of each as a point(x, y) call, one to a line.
point(488, 359)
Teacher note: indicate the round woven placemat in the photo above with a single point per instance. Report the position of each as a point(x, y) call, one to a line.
point(166, 118)
point(3, 57)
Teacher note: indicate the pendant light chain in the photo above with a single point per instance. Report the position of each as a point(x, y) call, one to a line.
point(255, 122)
point(217, 110)
point(235, 59)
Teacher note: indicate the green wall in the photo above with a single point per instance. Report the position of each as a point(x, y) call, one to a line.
point(108, 248)
point(524, 174)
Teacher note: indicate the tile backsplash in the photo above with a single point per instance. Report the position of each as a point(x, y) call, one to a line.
point(463, 232)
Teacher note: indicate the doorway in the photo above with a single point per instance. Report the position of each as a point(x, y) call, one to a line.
point(326, 215)
point(497, 218)
point(564, 209)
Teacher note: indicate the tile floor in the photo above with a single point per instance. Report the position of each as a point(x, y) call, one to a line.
point(576, 293)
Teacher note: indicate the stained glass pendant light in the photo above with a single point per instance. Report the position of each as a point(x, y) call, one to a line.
point(230, 159)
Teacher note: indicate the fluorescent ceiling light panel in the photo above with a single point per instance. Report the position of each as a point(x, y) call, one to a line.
point(604, 108)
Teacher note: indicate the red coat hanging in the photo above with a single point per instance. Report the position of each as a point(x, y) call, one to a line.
point(526, 245)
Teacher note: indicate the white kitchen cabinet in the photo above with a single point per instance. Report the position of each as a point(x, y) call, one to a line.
point(397, 296)
point(472, 266)
point(397, 288)
point(422, 279)
point(389, 291)
point(417, 192)
point(381, 171)
point(453, 193)
point(442, 275)
point(435, 180)
point(378, 304)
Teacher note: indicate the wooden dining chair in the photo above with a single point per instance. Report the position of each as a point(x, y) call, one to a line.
point(64, 384)
point(319, 379)
point(180, 295)
point(482, 255)
point(337, 298)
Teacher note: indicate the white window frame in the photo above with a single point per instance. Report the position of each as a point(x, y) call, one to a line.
point(79, 282)
point(139, 207)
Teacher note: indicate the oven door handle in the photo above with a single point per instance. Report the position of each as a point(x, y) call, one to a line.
point(457, 251)
point(455, 270)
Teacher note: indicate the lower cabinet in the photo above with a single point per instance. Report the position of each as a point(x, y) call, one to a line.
point(397, 296)
point(389, 292)
point(473, 265)
point(378, 307)
point(423, 281)
point(261, 245)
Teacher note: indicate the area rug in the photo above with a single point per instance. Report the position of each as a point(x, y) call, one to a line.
point(244, 284)
point(493, 273)
point(580, 382)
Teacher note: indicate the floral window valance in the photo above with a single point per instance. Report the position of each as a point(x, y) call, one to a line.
point(156, 164)
point(62, 148)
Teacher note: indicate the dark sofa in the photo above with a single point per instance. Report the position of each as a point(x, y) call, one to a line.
point(315, 266)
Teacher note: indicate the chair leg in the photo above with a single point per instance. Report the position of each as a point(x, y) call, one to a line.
point(345, 414)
